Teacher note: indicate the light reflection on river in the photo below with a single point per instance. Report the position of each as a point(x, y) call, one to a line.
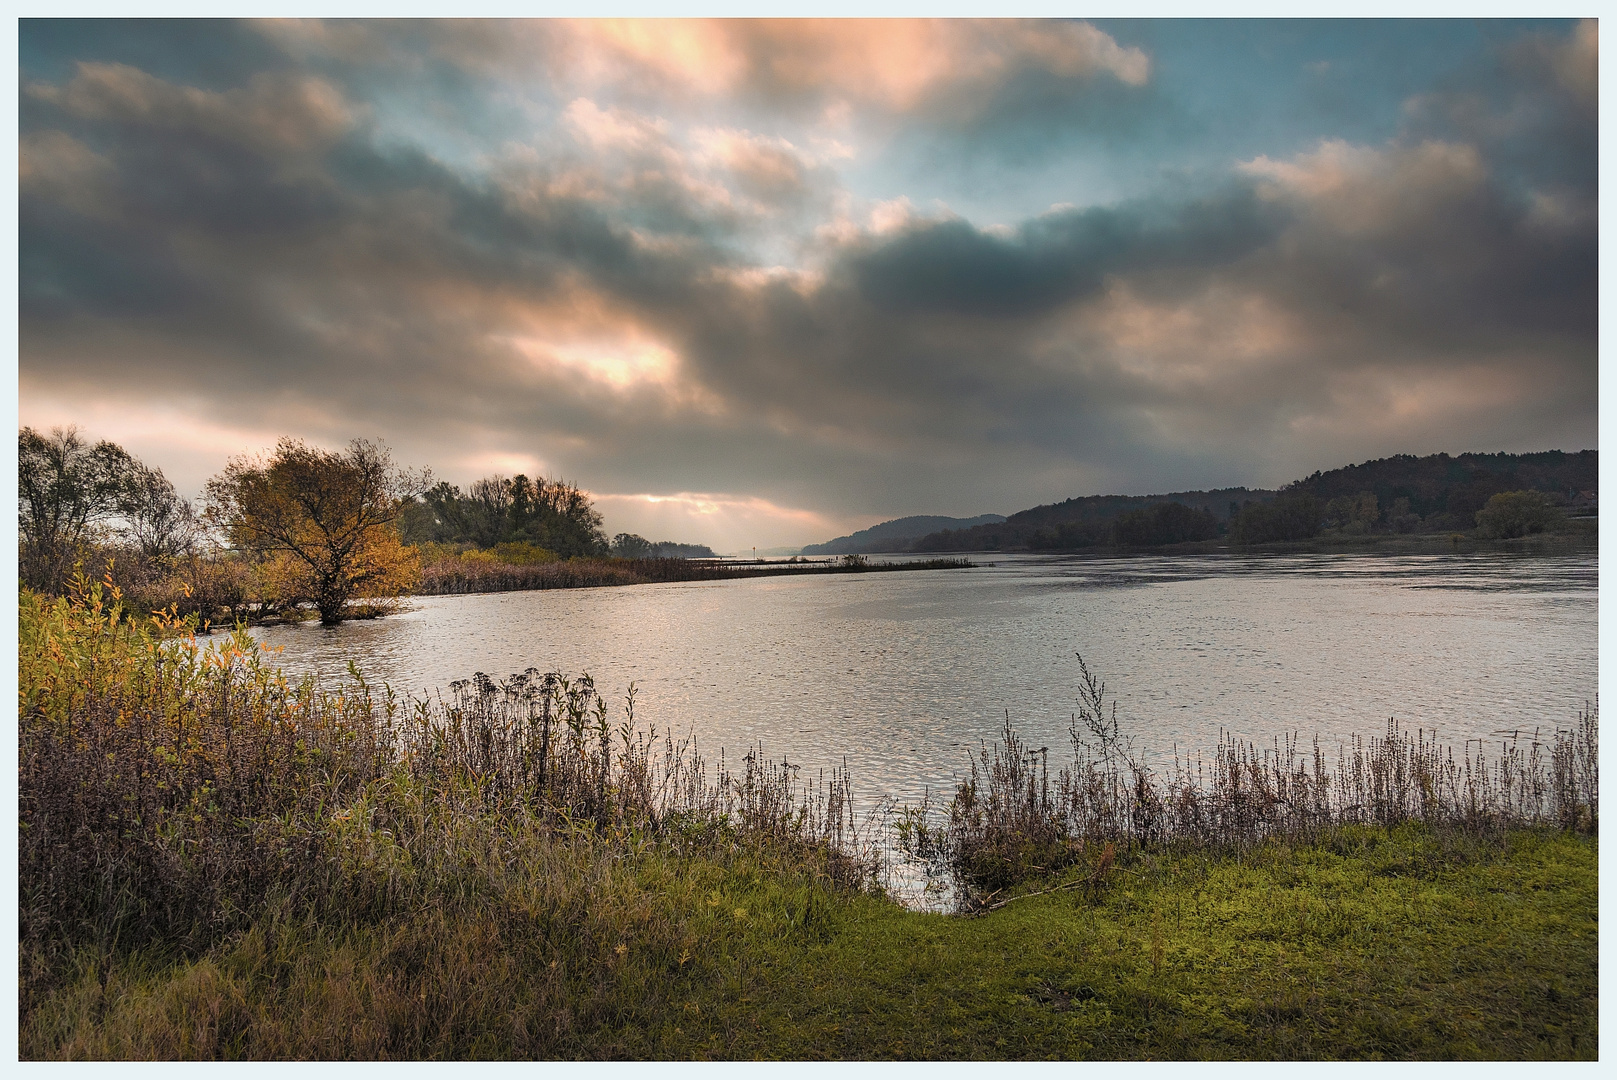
point(901, 674)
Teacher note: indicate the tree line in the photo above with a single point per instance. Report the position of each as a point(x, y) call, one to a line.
point(296, 527)
point(1494, 496)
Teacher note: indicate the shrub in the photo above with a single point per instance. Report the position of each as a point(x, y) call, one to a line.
point(1511, 514)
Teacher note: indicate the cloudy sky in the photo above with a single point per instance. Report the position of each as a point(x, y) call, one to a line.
point(766, 282)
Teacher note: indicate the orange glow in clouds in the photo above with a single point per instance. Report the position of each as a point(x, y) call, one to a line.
point(727, 523)
point(894, 63)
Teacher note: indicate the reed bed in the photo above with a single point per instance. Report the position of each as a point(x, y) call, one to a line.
point(1011, 819)
point(451, 575)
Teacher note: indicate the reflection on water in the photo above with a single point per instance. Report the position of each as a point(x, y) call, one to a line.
point(902, 674)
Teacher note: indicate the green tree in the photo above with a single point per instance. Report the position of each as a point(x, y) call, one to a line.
point(632, 546)
point(553, 514)
point(322, 521)
point(1510, 514)
point(66, 490)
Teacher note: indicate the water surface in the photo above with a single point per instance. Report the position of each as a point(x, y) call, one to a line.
point(902, 674)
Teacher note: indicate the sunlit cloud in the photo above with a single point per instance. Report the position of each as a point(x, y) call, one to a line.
point(1197, 342)
point(621, 364)
point(893, 64)
point(1396, 400)
point(499, 463)
point(1361, 188)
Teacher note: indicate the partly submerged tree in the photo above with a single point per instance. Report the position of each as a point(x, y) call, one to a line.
point(322, 521)
point(66, 488)
point(632, 546)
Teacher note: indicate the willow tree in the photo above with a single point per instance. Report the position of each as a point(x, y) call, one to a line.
point(321, 520)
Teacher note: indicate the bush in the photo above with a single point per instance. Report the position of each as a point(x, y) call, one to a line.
point(1511, 514)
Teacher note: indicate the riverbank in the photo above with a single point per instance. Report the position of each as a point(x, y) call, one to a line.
point(1578, 536)
point(215, 862)
point(1372, 943)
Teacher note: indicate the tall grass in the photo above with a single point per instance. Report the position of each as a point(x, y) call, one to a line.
point(1012, 819)
point(171, 792)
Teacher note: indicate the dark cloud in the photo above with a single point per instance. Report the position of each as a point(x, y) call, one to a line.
point(1058, 259)
point(600, 299)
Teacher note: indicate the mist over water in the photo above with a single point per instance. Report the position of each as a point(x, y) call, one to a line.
point(903, 674)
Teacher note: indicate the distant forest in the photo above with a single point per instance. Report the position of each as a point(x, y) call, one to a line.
point(1402, 494)
point(1446, 492)
point(1089, 521)
point(896, 535)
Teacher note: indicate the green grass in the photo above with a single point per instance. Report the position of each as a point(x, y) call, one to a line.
point(1373, 943)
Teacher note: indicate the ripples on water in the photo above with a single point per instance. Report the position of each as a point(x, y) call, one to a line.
point(902, 674)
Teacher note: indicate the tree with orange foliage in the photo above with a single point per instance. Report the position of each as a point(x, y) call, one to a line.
point(321, 521)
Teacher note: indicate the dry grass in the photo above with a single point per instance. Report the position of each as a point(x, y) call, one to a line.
point(1012, 820)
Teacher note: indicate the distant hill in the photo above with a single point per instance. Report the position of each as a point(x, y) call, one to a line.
point(1077, 523)
point(1446, 492)
point(1437, 493)
point(896, 535)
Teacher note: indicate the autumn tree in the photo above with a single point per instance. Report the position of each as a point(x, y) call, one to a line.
point(322, 521)
point(66, 490)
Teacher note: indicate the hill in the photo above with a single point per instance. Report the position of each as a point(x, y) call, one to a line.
point(1080, 522)
point(1403, 493)
point(1445, 492)
point(896, 535)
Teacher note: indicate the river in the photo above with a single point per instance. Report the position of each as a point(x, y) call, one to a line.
point(901, 675)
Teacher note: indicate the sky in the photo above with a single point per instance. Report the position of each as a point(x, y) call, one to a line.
point(760, 283)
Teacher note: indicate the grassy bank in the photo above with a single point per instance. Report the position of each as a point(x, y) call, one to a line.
point(1372, 943)
point(216, 863)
